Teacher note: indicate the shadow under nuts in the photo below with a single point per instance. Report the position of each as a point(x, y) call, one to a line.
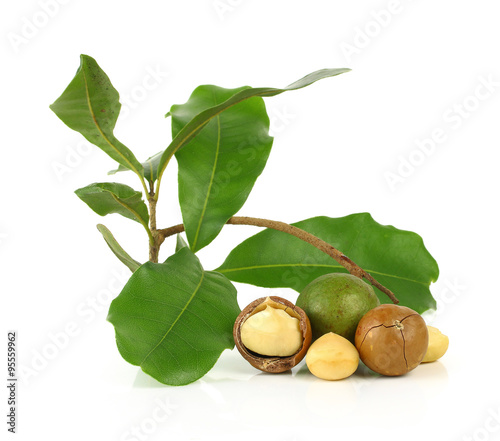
point(272, 334)
point(391, 340)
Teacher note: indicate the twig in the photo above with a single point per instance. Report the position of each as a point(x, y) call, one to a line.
point(320, 244)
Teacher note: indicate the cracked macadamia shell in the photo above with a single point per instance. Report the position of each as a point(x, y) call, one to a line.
point(273, 364)
point(392, 340)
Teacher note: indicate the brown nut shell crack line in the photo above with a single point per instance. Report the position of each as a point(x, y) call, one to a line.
point(386, 326)
point(391, 340)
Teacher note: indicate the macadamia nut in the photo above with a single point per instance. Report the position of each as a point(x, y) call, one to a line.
point(332, 357)
point(272, 332)
point(438, 345)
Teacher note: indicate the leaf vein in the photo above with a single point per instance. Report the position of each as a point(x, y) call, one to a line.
point(212, 177)
point(228, 270)
point(178, 317)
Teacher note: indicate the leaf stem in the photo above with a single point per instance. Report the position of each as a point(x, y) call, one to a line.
point(137, 216)
point(320, 244)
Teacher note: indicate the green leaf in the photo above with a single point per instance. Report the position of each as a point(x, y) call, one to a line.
point(90, 106)
point(150, 166)
point(219, 167)
point(108, 197)
point(397, 259)
point(174, 319)
point(118, 251)
point(180, 243)
point(191, 129)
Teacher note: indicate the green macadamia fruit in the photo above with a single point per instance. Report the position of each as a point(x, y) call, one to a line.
point(335, 303)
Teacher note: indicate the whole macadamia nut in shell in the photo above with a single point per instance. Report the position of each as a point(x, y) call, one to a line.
point(391, 339)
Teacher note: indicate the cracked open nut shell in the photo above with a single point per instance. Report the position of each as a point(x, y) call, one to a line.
point(273, 364)
point(391, 339)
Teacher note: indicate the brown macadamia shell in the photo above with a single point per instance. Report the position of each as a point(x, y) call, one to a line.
point(391, 339)
point(267, 363)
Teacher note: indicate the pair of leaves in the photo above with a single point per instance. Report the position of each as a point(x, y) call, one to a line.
point(228, 147)
point(90, 105)
point(106, 198)
point(396, 258)
point(174, 319)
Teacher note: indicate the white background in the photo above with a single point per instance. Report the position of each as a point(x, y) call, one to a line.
point(417, 68)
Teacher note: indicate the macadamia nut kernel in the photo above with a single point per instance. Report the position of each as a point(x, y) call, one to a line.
point(332, 357)
point(272, 332)
point(438, 345)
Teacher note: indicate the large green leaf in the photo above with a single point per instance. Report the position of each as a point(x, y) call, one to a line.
point(117, 249)
point(90, 105)
point(398, 259)
point(199, 121)
point(219, 167)
point(109, 197)
point(174, 319)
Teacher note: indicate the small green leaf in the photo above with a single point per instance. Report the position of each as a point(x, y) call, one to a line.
point(218, 168)
point(150, 166)
point(190, 130)
point(118, 251)
point(174, 319)
point(90, 105)
point(397, 259)
point(181, 243)
point(108, 197)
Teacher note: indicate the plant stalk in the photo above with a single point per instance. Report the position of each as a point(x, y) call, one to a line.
point(320, 244)
point(154, 244)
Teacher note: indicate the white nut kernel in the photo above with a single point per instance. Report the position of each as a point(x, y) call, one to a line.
point(332, 357)
point(438, 345)
point(272, 332)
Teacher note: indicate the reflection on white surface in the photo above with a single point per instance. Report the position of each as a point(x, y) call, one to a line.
point(241, 399)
